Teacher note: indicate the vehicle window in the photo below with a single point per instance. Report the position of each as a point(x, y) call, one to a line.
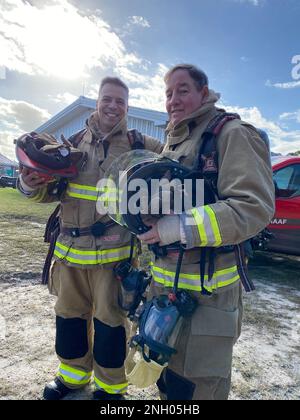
point(283, 177)
point(295, 180)
point(288, 179)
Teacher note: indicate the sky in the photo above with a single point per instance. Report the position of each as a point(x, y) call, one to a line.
point(52, 51)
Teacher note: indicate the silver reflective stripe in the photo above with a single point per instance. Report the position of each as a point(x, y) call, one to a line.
point(84, 192)
point(73, 375)
point(111, 389)
point(184, 282)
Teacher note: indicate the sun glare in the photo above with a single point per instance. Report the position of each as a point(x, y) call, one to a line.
point(58, 41)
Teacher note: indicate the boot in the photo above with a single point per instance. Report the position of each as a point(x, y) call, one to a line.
point(56, 390)
point(101, 395)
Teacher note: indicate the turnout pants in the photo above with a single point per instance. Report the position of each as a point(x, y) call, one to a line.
point(201, 368)
point(90, 327)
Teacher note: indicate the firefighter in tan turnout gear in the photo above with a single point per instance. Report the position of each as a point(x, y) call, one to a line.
point(90, 326)
point(201, 368)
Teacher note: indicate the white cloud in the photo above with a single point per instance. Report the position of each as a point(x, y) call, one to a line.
point(151, 94)
point(63, 98)
point(291, 116)
point(21, 115)
point(55, 38)
point(282, 140)
point(284, 85)
point(17, 117)
point(253, 2)
point(92, 91)
point(139, 21)
point(131, 76)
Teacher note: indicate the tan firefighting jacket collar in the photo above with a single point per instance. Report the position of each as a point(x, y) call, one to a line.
point(93, 124)
point(182, 130)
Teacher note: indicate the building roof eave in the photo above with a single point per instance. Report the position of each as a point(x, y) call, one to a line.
point(82, 104)
point(67, 114)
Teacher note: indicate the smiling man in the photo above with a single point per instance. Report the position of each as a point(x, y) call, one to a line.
point(90, 325)
point(112, 105)
point(235, 162)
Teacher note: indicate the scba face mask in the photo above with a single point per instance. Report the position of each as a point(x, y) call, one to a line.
point(160, 324)
point(152, 347)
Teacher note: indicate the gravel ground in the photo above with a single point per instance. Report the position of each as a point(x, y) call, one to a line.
point(266, 359)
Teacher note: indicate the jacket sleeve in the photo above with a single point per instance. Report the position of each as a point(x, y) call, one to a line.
point(40, 195)
point(153, 144)
point(246, 192)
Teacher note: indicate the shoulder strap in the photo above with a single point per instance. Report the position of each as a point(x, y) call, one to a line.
point(208, 167)
point(208, 155)
point(136, 139)
point(51, 234)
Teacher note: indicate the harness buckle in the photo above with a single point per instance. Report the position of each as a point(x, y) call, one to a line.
point(75, 233)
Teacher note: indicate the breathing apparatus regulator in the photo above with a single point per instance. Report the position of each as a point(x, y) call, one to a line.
point(133, 284)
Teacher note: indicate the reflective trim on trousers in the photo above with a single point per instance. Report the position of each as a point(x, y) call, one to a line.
point(73, 376)
point(82, 257)
point(207, 225)
point(111, 389)
point(220, 278)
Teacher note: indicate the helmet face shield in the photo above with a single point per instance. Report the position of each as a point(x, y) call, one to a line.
point(114, 189)
point(128, 162)
point(140, 185)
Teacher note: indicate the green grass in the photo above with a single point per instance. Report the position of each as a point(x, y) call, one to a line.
point(22, 246)
point(15, 206)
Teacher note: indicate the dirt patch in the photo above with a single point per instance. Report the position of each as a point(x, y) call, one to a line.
point(266, 358)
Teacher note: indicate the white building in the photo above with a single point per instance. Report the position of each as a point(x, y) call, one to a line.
point(73, 118)
point(7, 166)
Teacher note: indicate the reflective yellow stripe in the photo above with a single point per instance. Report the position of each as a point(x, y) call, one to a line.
point(82, 257)
point(83, 187)
point(90, 262)
point(83, 192)
point(200, 225)
point(207, 225)
point(214, 224)
point(73, 376)
point(82, 196)
point(220, 278)
point(111, 389)
point(91, 193)
point(82, 252)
